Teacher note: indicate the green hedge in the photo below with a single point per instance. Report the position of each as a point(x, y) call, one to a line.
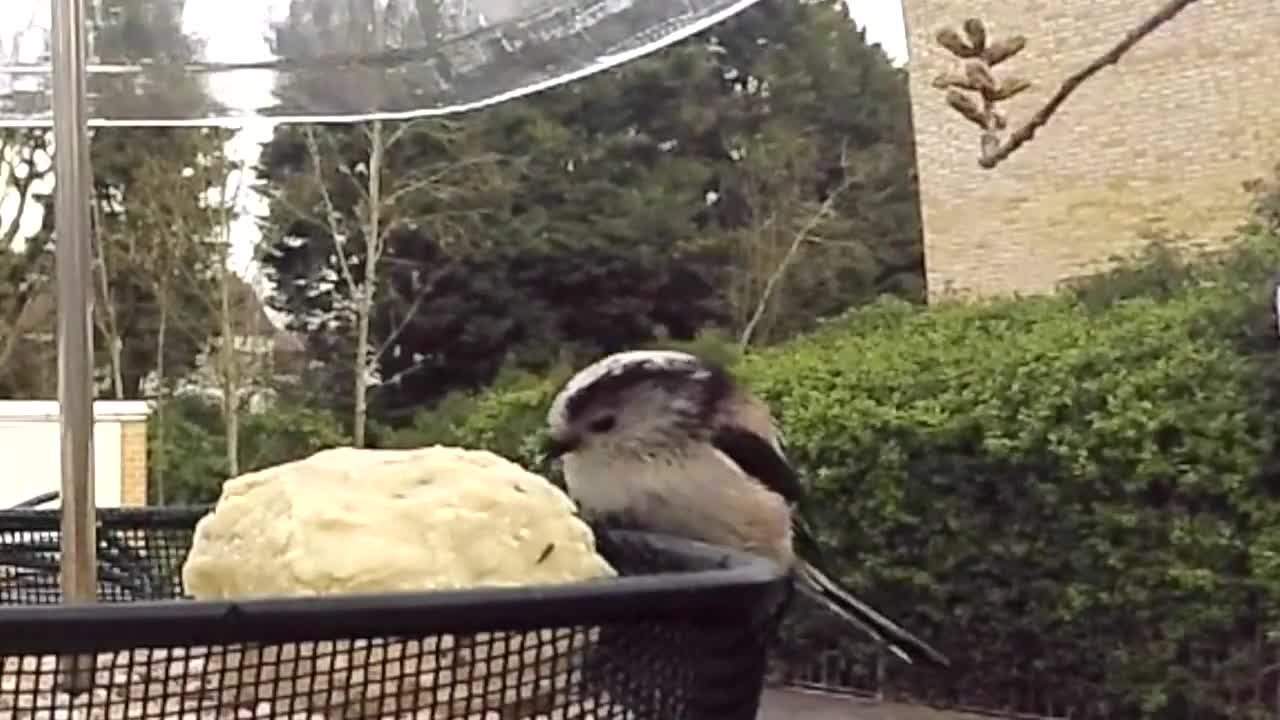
point(1058, 497)
point(1065, 494)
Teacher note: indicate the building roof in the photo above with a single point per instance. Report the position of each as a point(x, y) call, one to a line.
point(107, 410)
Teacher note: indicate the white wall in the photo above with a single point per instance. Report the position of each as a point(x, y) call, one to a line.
point(30, 455)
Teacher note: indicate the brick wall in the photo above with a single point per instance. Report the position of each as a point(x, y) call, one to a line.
point(1161, 141)
point(133, 462)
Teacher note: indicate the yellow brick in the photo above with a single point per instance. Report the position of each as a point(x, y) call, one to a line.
point(1161, 141)
point(133, 462)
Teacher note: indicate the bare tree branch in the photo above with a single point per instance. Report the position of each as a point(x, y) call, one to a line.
point(407, 127)
point(434, 180)
point(427, 287)
point(19, 171)
point(330, 210)
point(24, 321)
point(797, 241)
point(382, 207)
point(107, 321)
point(395, 379)
point(282, 196)
point(1041, 117)
point(400, 132)
point(361, 191)
point(374, 246)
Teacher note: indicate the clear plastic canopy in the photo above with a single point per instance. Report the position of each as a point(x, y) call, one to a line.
point(204, 62)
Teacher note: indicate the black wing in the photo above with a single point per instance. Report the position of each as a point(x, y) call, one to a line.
point(759, 459)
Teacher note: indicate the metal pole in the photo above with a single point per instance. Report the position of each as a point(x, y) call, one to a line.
point(72, 173)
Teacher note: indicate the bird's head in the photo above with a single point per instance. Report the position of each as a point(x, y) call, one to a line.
point(637, 403)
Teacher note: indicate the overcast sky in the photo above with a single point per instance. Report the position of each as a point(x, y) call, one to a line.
point(883, 21)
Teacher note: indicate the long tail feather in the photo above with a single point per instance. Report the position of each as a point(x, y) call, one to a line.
point(899, 641)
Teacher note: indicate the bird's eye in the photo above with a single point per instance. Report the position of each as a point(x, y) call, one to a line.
point(602, 424)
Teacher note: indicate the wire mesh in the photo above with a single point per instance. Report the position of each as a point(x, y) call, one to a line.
point(682, 635)
point(140, 554)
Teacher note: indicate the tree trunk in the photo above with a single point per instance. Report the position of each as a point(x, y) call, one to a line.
point(227, 362)
point(364, 306)
point(161, 333)
point(232, 421)
point(776, 277)
point(362, 369)
point(115, 348)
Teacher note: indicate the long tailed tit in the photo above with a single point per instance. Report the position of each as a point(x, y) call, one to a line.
point(664, 441)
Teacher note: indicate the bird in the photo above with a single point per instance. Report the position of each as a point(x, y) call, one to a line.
point(667, 442)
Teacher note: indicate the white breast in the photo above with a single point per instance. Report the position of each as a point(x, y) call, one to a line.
point(702, 495)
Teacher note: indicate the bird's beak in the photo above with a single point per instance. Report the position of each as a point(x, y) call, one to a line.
point(557, 445)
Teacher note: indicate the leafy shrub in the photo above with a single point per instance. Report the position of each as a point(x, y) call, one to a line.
point(187, 445)
point(1265, 203)
point(1062, 500)
point(1159, 270)
point(508, 419)
point(186, 453)
point(1165, 268)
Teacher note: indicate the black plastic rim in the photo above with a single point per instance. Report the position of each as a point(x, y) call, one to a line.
point(175, 517)
point(738, 586)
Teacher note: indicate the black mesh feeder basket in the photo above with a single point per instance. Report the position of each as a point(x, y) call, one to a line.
point(683, 633)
